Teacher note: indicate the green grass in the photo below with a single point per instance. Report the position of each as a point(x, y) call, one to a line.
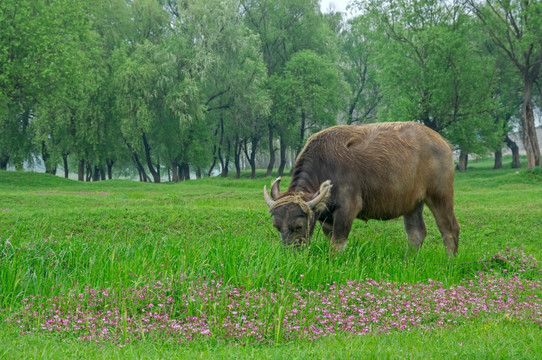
point(59, 236)
point(481, 340)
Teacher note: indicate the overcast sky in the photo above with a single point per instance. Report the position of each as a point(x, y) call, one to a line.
point(340, 5)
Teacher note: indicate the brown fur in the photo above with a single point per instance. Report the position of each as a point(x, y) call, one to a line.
point(379, 171)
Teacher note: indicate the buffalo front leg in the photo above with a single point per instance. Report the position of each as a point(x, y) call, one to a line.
point(327, 228)
point(342, 223)
point(415, 230)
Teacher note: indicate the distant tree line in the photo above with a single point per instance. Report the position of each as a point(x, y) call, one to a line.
point(195, 86)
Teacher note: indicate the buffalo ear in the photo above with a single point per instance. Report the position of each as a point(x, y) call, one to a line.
point(319, 200)
point(275, 188)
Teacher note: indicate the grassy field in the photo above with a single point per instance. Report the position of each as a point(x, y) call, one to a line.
point(195, 269)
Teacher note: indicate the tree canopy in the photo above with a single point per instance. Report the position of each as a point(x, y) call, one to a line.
point(162, 89)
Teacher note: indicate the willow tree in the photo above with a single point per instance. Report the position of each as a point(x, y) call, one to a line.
point(515, 26)
point(432, 70)
point(41, 53)
point(157, 93)
point(358, 55)
point(286, 27)
point(233, 85)
point(307, 95)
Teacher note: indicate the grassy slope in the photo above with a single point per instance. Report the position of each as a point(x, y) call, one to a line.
point(58, 234)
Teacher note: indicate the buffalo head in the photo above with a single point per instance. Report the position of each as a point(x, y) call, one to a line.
point(294, 212)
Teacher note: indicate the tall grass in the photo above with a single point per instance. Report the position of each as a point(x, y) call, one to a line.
point(63, 232)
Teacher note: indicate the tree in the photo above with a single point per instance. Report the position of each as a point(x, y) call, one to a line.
point(41, 53)
point(158, 93)
point(155, 100)
point(508, 98)
point(515, 26)
point(431, 69)
point(97, 136)
point(307, 94)
point(233, 86)
point(359, 71)
point(286, 27)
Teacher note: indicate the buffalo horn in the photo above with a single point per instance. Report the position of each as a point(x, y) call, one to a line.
point(324, 188)
point(275, 188)
point(267, 198)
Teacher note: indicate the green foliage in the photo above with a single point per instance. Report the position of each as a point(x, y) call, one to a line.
point(360, 69)
point(145, 84)
point(286, 27)
point(306, 93)
point(431, 69)
point(41, 57)
point(234, 85)
point(515, 28)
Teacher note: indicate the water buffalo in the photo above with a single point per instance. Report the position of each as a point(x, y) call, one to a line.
point(374, 171)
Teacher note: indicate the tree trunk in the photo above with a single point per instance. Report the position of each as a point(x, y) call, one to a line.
point(81, 170)
point(272, 151)
point(49, 169)
point(352, 107)
point(463, 161)
point(213, 164)
point(175, 169)
point(302, 132)
point(143, 177)
point(282, 164)
point(198, 172)
point(96, 174)
point(110, 164)
point(530, 140)
point(102, 173)
point(215, 149)
point(252, 156)
point(224, 161)
point(237, 148)
point(89, 172)
point(498, 160)
point(155, 174)
point(222, 165)
point(184, 171)
point(225, 169)
point(4, 159)
point(65, 161)
point(516, 164)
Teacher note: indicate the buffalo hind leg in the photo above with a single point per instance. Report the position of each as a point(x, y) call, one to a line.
point(443, 211)
point(415, 230)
